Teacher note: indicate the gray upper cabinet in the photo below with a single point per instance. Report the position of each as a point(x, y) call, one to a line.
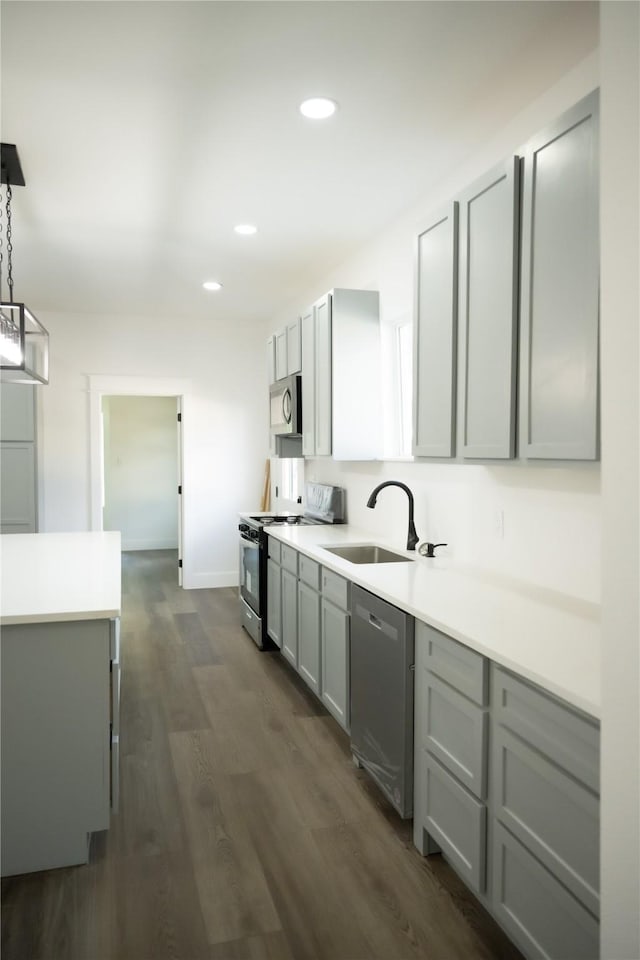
point(281, 353)
point(489, 256)
point(308, 347)
point(17, 412)
point(560, 284)
point(435, 323)
point(284, 351)
point(18, 461)
point(341, 375)
point(294, 347)
point(323, 407)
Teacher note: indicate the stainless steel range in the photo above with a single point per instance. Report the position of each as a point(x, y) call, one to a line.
point(323, 504)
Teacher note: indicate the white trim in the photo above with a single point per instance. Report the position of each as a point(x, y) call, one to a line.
point(201, 581)
point(117, 386)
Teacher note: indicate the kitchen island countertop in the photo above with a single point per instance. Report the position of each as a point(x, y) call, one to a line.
point(550, 638)
point(50, 577)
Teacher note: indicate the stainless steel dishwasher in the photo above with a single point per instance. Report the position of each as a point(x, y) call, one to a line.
point(382, 652)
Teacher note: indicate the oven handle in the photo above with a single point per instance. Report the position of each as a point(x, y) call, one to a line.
point(250, 542)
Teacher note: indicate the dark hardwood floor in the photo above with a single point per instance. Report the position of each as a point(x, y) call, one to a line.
point(244, 832)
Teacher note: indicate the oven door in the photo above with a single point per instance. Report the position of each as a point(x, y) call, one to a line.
point(250, 573)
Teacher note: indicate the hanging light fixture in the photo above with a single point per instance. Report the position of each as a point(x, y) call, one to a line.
point(24, 342)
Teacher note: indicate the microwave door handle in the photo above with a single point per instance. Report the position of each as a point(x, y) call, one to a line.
point(286, 405)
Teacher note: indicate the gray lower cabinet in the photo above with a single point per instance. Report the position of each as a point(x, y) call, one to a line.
point(274, 602)
point(456, 820)
point(289, 623)
point(309, 635)
point(535, 909)
point(507, 789)
point(435, 336)
point(489, 273)
point(560, 289)
point(451, 748)
point(335, 661)
point(308, 617)
point(274, 591)
point(18, 477)
point(60, 740)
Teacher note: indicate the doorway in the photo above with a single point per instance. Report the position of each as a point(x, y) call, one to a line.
point(137, 454)
point(140, 471)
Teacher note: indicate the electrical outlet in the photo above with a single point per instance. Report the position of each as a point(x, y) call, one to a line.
point(498, 523)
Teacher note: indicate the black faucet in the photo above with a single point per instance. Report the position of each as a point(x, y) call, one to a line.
point(412, 536)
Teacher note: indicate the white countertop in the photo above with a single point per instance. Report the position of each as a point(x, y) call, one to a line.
point(49, 577)
point(549, 638)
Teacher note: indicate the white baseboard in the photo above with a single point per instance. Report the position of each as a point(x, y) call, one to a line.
point(201, 581)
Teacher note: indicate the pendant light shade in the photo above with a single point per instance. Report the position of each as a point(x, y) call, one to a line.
point(24, 342)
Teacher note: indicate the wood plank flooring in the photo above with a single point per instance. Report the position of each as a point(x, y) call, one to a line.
point(244, 832)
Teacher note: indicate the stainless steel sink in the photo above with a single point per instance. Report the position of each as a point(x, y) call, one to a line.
point(368, 553)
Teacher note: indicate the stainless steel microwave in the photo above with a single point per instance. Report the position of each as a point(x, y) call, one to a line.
point(285, 405)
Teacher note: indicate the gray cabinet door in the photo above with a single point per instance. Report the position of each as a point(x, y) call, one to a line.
point(335, 661)
point(489, 257)
point(436, 280)
point(289, 623)
point(294, 358)
point(323, 405)
point(456, 732)
point(17, 488)
point(554, 816)
point(454, 663)
point(543, 918)
point(271, 359)
point(308, 339)
point(281, 354)
point(455, 820)
point(17, 412)
point(274, 602)
point(560, 287)
point(309, 636)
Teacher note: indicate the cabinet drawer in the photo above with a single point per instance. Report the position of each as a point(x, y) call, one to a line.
point(567, 737)
point(455, 731)
point(550, 812)
point(335, 588)
point(456, 821)
point(461, 667)
point(289, 558)
point(535, 909)
point(309, 571)
point(274, 548)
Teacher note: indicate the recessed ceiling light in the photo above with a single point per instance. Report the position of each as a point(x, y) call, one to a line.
point(318, 108)
point(212, 285)
point(246, 229)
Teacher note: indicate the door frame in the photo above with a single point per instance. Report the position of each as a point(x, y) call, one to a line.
point(116, 386)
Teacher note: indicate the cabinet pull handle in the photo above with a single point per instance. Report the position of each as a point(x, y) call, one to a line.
point(373, 620)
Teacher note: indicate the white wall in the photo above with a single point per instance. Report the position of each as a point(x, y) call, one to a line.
point(224, 423)
point(620, 302)
point(537, 523)
point(141, 471)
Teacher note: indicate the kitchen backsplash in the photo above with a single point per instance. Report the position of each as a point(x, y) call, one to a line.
point(540, 525)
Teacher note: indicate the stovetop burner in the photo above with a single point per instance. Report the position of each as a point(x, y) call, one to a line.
point(292, 519)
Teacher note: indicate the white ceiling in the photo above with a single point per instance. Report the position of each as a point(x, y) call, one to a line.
point(147, 130)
